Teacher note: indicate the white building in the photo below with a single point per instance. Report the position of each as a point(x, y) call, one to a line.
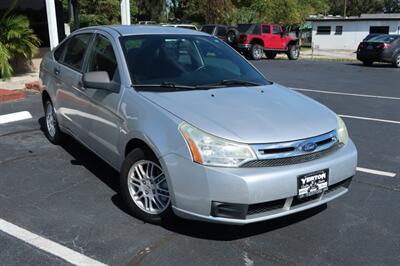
point(339, 33)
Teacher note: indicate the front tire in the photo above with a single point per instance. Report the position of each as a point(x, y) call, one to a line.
point(52, 129)
point(396, 62)
point(144, 187)
point(293, 52)
point(256, 52)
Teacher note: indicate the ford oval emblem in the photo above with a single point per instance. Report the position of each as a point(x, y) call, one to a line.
point(308, 146)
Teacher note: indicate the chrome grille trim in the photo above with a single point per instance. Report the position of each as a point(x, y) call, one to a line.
point(288, 153)
point(293, 148)
point(291, 160)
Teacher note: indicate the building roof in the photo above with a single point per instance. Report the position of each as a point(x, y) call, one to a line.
point(382, 16)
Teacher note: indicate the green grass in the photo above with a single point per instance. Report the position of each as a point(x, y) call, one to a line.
point(346, 60)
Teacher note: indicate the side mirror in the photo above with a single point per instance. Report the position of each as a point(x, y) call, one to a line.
point(99, 80)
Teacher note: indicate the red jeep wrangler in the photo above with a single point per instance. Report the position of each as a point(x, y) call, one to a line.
point(254, 39)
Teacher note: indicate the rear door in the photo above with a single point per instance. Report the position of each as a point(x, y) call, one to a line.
point(266, 35)
point(104, 122)
point(71, 105)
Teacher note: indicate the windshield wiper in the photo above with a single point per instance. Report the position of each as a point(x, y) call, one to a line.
point(230, 82)
point(165, 85)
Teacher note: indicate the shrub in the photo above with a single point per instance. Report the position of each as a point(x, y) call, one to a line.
point(16, 40)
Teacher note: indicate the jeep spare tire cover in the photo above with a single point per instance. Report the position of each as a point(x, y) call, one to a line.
point(232, 36)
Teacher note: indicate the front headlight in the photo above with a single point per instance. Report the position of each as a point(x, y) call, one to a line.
point(210, 150)
point(342, 131)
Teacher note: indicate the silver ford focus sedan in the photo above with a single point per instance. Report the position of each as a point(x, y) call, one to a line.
point(193, 128)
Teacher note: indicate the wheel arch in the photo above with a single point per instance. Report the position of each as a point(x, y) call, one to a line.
point(292, 42)
point(45, 97)
point(257, 41)
point(137, 143)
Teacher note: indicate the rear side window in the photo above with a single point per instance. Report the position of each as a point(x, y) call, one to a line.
point(59, 51)
point(208, 29)
point(221, 31)
point(276, 29)
point(266, 29)
point(75, 51)
point(102, 58)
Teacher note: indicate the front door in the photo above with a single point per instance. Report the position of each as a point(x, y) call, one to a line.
point(105, 124)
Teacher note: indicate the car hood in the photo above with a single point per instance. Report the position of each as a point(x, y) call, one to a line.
point(264, 114)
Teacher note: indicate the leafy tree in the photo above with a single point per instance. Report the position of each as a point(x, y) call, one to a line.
point(16, 40)
point(356, 7)
point(201, 11)
point(151, 10)
point(286, 12)
point(391, 6)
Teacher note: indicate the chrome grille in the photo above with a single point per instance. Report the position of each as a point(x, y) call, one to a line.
point(287, 153)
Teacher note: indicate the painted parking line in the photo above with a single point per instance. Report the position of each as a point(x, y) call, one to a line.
point(371, 119)
point(48, 246)
point(375, 172)
point(13, 117)
point(349, 94)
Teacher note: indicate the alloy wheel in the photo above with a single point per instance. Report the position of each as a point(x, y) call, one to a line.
point(51, 121)
point(148, 187)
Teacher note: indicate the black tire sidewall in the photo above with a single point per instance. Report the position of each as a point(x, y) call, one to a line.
point(235, 34)
point(134, 156)
point(396, 60)
point(253, 48)
point(291, 49)
point(58, 136)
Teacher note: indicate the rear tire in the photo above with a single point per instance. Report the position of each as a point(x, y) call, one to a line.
point(256, 52)
point(293, 52)
point(368, 63)
point(144, 188)
point(271, 55)
point(52, 129)
point(396, 62)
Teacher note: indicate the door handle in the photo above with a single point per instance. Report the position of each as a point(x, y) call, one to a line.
point(56, 71)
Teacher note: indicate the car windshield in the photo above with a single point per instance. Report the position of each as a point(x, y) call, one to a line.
point(187, 60)
point(383, 38)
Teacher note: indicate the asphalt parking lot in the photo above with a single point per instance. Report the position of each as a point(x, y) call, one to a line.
point(67, 195)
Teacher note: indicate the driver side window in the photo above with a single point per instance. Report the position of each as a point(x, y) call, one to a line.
point(102, 58)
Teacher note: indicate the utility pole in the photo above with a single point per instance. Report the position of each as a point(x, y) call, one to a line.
point(345, 9)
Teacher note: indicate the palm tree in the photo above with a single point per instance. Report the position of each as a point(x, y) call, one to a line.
point(16, 40)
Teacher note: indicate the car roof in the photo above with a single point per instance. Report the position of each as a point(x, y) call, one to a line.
point(125, 30)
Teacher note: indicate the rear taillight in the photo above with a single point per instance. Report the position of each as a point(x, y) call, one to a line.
point(383, 46)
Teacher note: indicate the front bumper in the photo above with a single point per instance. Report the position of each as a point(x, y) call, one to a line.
point(195, 188)
point(243, 46)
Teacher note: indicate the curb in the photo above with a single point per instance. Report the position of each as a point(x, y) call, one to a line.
point(11, 95)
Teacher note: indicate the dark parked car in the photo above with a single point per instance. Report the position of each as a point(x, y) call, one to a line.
point(216, 30)
point(381, 48)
